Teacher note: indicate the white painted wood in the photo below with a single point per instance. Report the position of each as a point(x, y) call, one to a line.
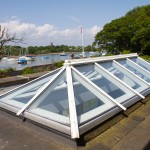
point(39, 92)
point(116, 80)
point(28, 83)
point(72, 106)
point(98, 59)
point(95, 89)
point(130, 74)
point(138, 68)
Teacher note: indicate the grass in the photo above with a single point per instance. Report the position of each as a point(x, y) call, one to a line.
point(4, 72)
point(27, 70)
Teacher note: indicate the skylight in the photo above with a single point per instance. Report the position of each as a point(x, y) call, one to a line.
point(81, 94)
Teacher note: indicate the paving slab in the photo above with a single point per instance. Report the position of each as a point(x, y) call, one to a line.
point(137, 139)
point(18, 135)
point(19, 79)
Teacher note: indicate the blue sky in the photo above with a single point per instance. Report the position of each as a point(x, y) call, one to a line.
point(59, 21)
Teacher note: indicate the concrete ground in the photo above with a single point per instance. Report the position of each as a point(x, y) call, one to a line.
point(131, 133)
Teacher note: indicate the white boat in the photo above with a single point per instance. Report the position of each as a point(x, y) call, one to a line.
point(7, 59)
point(30, 58)
point(27, 58)
point(12, 59)
point(92, 54)
point(103, 52)
point(4, 59)
point(63, 54)
point(45, 57)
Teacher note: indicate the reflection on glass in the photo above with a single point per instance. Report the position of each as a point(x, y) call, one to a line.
point(23, 97)
point(85, 99)
point(135, 71)
point(55, 101)
point(123, 77)
point(141, 63)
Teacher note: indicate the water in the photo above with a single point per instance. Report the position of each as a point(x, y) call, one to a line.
point(39, 60)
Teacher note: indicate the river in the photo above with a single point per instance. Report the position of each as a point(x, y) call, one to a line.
point(39, 60)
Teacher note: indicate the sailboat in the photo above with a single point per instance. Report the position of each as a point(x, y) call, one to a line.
point(63, 54)
point(8, 58)
point(27, 57)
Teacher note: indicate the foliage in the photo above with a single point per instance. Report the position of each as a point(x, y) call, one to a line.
point(130, 32)
point(5, 72)
point(36, 50)
point(27, 70)
point(58, 64)
point(126, 52)
point(10, 69)
point(146, 57)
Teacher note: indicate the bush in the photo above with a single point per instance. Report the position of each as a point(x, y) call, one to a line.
point(27, 70)
point(58, 64)
point(10, 69)
point(126, 52)
point(146, 57)
point(3, 73)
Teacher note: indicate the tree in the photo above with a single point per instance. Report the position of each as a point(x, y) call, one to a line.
point(130, 32)
point(7, 37)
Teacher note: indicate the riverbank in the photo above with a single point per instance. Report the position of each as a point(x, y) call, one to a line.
point(30, 70)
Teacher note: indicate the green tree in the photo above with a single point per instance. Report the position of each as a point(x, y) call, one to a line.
point(130, 32)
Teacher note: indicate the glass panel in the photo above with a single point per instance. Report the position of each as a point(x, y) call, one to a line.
point(53, 102)
point(88, 105)
point(141, 63)
point(123, 77)
point(85, 99)
point(22, 95)
point(134, 70)
point(106, 85)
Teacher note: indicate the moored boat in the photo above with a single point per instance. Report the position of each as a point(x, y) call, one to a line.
point(22, 60)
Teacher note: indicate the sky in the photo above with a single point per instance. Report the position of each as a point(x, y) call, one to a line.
point(43, 22)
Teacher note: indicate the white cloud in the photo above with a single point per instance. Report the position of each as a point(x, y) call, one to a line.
point(45, 34)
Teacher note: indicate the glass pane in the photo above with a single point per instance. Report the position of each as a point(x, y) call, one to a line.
point(134, 70)
point(85, 99)
point(141, 63)
point(53, 102)
point(88, 105)
point(110, 88)
point(106, 85)
point(123, 77)
point(22, 95)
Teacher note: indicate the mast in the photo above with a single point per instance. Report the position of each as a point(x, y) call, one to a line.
point(82, 41)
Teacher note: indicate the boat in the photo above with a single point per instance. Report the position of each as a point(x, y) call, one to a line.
point(30, 58)
point(63, 54)
point(7, 59)
point(22, 60)
point(76, 56)
point(4, 59)
point(45, 57)
point(103, 52)
point(27, 58)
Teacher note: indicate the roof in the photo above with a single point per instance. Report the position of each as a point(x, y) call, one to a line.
point(81, 94)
